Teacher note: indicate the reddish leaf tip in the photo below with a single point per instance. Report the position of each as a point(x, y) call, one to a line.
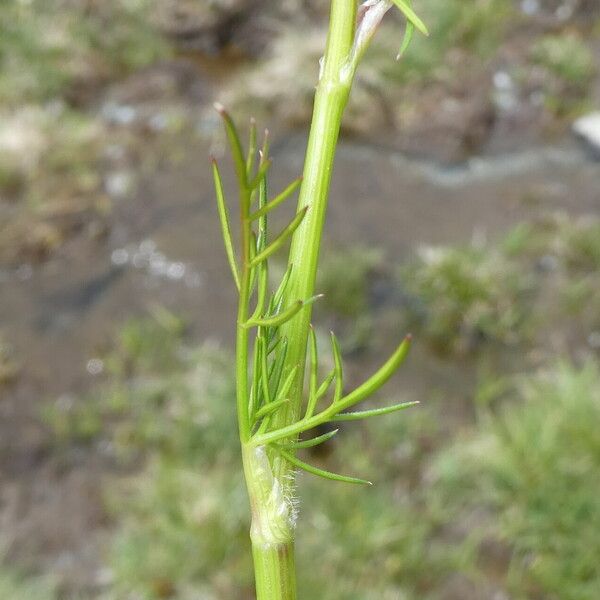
point(220, 108)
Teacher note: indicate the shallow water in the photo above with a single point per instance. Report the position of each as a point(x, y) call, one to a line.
point(165, 246)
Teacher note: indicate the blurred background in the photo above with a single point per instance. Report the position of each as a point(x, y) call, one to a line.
point(465, 208)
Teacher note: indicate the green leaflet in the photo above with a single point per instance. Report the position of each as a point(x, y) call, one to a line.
point(275, 202)
point(411, 15)
point(321, 472)
point(310, 443)
point(375, 412)
point(285, 235)
point(225, 224)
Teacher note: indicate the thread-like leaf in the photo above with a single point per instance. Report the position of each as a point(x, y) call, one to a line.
point(274, 345)
point(339, 373)
point(235, 144)
point(264, 152)
point(411, 15)
point(262, 200)
point(262, 171)
point(269, 409)
point(322, 390)
point(278, 319)
point(225, 225)
point(252, 253)
point(370, 386)
point(321, 472)
point(287, 384)
point(275, 202)
point(314, 363)
point(406, 40)
point(310, 443)
point(251, 149)
point(379, 378)
point(365, 414)
point(278, 295)
point(276, 370)
point(263, 285)
point(281, 395)
point(264, 370)
point(280, 239)
point(254, 399)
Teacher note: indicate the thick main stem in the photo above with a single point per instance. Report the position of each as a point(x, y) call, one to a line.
point(268, 478)
point(272, 529)
point(330, 101)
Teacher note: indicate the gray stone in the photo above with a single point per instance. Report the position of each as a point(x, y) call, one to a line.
point(588, 129)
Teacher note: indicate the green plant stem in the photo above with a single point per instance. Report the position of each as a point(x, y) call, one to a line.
point(275, 571)
point(241, 375)
point(272, 529)
point(330, 101)
point(267, 478)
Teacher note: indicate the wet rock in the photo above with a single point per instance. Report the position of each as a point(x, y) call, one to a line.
point(588, 129)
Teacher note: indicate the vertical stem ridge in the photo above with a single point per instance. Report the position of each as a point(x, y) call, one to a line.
point(274, 571)
point(330, 102)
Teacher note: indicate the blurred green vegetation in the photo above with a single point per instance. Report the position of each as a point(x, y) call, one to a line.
point(460, 298)
point(50, 47)
point(570, 65)
point(529, 471)
point(464, 296)
point(343, 279)
point(57, 59)
point(475, 28)
point(18, 586)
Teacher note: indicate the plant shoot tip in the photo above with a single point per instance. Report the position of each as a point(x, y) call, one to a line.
point(220, 108)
